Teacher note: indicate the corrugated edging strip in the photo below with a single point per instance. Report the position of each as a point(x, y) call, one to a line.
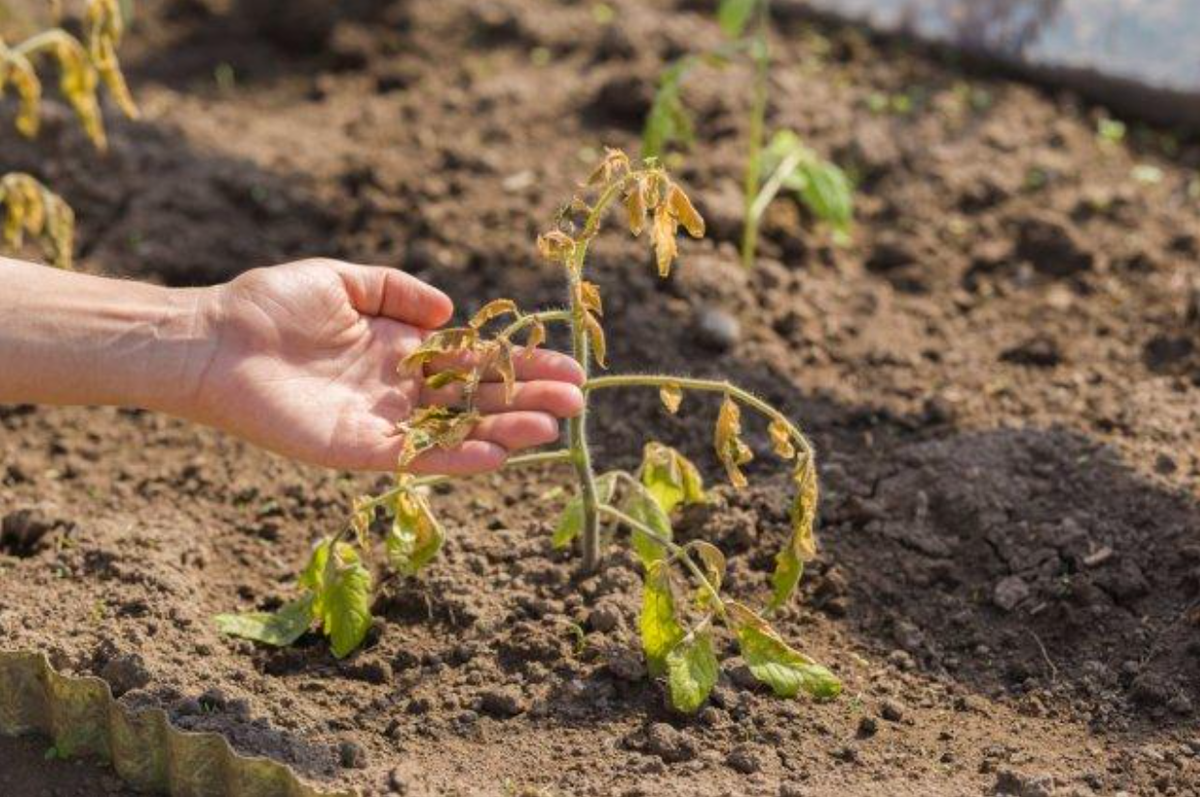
point(83, 719)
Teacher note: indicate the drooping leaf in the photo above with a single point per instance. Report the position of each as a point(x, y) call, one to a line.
point(663, 235)
point(570, 525)
point(595, 334)
point(644, 508)
point(105, 25)
point(556, 246)
point(670, 477)
point(434, 427)
point(503, 363)
point(313, 575)
point(781, 439)
point(32, 208)
point(449, 377)
point(636, 208)
point(682, 209)
point(714, 571)
point(692, 671)
point(672, 396)
point(659, 625)
point(280, 628)
point(493, 309)
point(732, 16)
point(415, 536)
point(770, 659)
point(802, 543)
point(731, 450)
point(828, 193)
point(615, 161)
point(452, 340)
point(537, 336)
point(589, 297)
point(345, 603)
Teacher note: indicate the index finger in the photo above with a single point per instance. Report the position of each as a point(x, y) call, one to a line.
point(390, 293)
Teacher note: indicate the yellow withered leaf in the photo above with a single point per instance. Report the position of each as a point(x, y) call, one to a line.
point(444, 341)
point(503, 363)
point(537, 336)
point(589, 297)
point(18, 70)
point(672, 396)
point(595, 334)
point(556, 246)
point(732, 452)
point(449, 377)
point(105, 27)
point(804, 513)
point(493, 309)
point(434, 427)
point(682, 209)
point(31, 208)
point(714, 571)
point(614, 161)
point(78, 83)
point(635, 208)
point(663, 235)
point(781, 439)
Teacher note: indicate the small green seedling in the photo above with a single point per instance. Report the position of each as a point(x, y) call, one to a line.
point(784, 162)
point(677, 624)
point(30, 207)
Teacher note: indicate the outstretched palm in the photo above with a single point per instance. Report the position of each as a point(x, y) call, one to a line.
point(305, 365)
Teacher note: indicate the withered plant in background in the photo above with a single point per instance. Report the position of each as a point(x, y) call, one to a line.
point(677, 624)
point(30, 208)
point(783, 162)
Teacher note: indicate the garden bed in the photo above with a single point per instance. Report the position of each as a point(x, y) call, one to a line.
point(1001, 375)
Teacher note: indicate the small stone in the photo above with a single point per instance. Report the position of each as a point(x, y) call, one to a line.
point(624, 663)
point(792, 790)
point(891, 710)
point(1009, 592)
point(1180, 704)
point(717, 330)
point(744, 759)
point(604, 618)
point(397, 783)
point(868, 726)
point(1016, 784)
point(1164, 465)
point(212, 699)
point(845, 753)
point(351, 755)
point(743, 678)
point(502, 702)
point(669, 744)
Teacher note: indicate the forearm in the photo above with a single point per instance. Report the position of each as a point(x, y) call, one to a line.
point(68, 338)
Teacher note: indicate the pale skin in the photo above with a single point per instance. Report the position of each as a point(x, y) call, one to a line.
point(299, 359)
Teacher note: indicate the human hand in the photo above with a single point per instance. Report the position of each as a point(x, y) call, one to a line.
point(301, 359)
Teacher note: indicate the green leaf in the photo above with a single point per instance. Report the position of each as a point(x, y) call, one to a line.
point(641, 506)
point(660, 629)
point(732, 16)
point(827, 193)
point(415, 536)
point(280, 628)
point(692, 672)
point(668, 121)
point(788, 570)
point(570, 525)
point(313, 575)
point(345, 603)
point(670, 477)
point(787, 671)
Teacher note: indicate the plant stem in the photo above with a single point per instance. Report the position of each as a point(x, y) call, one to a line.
point(709, 386)
point(531, 318)
point(760, 52)
point(581, 454)
point(45, 39)
point(678, 551)
point(771, 187)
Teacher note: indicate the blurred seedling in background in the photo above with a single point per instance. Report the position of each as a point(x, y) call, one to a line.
point(83, 65)
point(682, 601)
point(782, 162)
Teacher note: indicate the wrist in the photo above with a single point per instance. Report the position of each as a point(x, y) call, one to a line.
point(186, 337)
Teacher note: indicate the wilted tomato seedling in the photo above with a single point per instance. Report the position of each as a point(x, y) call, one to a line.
point(785, 161)
point(30, 207)
point(677, 625)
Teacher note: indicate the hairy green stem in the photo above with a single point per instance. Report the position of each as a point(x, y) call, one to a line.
point(531, 318)
point(761, 54)
point(708, 386)
point(771, 188)
point(577, 426)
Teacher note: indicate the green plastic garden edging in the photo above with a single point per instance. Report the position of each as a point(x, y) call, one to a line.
point(82, 718)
